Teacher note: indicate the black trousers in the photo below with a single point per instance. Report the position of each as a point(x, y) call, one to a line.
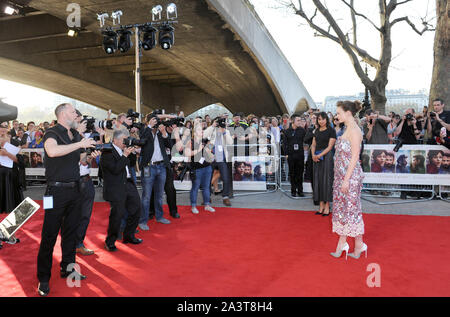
point(296, 169)
point(132, 205)
point(87, 192)
point(65, 216)
point(171, 194)
point(230, 177)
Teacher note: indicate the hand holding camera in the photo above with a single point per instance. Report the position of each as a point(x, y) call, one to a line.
point(87, 143)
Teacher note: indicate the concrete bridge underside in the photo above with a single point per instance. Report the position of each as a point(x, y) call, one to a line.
point(215, 59)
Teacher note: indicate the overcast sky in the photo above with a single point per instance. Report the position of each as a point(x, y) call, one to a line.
point(321, 64)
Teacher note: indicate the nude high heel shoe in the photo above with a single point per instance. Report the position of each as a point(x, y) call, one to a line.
point(363, 249)
point(338, 254)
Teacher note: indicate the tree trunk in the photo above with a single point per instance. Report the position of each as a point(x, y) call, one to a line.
point(378, 99)
point(440, 84)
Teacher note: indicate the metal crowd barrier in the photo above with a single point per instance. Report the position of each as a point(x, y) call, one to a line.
point(285, 184)
point(444, 190)
point(389, 189)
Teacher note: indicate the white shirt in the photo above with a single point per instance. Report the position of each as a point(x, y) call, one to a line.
point(84, 170)
point(119, 150)
point(157, 155)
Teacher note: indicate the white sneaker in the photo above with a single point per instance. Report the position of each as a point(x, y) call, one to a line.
point(194, 210)
point(209, 208)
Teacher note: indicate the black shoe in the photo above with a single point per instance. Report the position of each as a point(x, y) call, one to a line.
point(218, 193)
point(293, 194)
point(318, 213)
point(323, 215)
point(151, 216)
point(73, 274)
point(133, 240)
point(300, 194)
point(403, 196)
point(43, 289)
point(110, 248)
point(175, 215)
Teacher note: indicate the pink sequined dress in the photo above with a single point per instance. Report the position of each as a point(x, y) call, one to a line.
point(347, 213)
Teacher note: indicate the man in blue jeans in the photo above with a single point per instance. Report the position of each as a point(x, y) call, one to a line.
point(153, 163)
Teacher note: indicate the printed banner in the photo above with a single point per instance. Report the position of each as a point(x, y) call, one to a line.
point(411, 165)
point(249, 173)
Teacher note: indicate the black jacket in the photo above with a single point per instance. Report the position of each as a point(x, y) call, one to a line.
point(114, 175)
point(147, 149)
point(292, 137)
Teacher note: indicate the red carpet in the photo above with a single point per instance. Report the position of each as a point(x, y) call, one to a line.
point(243, 253)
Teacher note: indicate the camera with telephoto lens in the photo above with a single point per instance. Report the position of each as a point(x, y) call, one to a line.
point(92, 124)
point(179, 122)
point(107, 147)
point(409, 117)
point(221, 122)
point(130, 142)
point(134, 116)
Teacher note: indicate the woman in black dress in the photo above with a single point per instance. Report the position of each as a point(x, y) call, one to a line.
point(323, 170)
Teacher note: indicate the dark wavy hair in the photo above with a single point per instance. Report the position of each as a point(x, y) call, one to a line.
point(323, 115)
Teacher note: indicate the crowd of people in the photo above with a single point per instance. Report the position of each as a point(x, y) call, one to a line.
point(322, 148)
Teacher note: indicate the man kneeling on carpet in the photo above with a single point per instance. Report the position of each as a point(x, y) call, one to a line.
point(119, 189)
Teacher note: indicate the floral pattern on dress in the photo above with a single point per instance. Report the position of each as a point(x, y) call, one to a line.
point(347, 213)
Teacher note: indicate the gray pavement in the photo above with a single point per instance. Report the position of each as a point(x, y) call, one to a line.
point(279, 200)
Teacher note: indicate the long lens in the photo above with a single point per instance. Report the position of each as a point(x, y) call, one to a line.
point(104, 124)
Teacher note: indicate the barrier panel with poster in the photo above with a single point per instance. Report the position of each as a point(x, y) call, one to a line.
point(412, 164)
point(251, 172)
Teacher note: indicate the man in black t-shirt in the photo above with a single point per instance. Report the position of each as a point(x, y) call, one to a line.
point(62, 145)
point(293, 139)
point(438, 119)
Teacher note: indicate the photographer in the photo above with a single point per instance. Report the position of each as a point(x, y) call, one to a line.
point(62, 145)
point(220, 138)
point(153, 165)
point(408, 130)
point(199, 149)
point(121, 123)
point(438, 120)
point(376, 128)
point(120, 191)
point(169, 187)
point(87, 191)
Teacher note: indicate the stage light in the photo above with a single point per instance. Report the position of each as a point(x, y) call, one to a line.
point(156, 13)
point(101, 17)
point(149, 38)
point(166, 36)
point(116, 16)
point(72, 32)
point(125, 42)
point(10, 10)
point(109, 41)
point(172, 11)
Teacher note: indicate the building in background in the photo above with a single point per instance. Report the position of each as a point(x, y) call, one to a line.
point(398, 100)
point(213, 111)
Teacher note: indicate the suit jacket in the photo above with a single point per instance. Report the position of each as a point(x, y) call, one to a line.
point(148, 149)
point(114, 175)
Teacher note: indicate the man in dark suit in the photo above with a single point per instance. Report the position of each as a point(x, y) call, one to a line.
point(153, 164)
point(119, 189)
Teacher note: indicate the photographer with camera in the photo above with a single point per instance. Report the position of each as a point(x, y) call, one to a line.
point(120, 191)
point(153, 165)
point(199, 150)
point(87, 190)
point(408, 130)
point(376, 127)
point(438, 123)
point(220, 139)
point(62, 145)
point(173, 129)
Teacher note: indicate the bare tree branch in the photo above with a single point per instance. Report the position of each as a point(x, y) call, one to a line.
point(412, 25)
point(352, 13)
point(352, 8)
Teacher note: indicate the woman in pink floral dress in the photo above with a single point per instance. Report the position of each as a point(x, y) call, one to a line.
point(348, 180)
